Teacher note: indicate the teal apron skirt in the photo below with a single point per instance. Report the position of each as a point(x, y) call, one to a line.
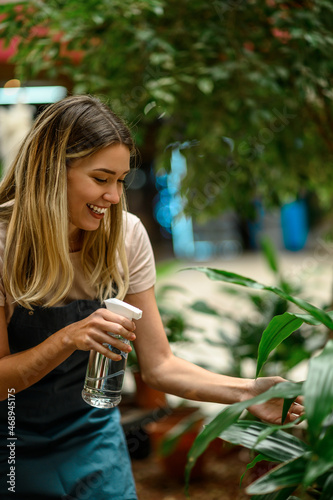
point(64, 449)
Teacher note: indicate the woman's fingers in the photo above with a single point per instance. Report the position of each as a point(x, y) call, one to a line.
point(102, 327)
point(110, 346)
point(106, 351)
point(118, 343)
point(297, 408)
point(115, 319)
point(112, 324)
point(118, 328)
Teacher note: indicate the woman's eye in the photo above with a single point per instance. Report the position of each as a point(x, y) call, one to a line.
point(102, 181)
point(122, 181)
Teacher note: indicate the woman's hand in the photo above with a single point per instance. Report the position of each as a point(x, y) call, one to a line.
point(94, 331)
point(25, 368)
point(271, 411)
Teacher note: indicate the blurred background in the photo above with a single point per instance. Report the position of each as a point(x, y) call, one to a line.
point(231, 106)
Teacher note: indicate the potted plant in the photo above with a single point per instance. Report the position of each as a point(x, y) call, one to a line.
point(305, 468)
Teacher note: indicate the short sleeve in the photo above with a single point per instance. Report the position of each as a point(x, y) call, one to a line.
point(140, 256)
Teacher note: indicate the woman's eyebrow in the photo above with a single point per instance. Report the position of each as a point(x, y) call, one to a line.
point(112, 172)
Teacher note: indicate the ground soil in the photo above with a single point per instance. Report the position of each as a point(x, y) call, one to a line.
point(220, 479)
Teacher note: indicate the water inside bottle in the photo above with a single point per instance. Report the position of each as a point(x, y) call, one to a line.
point(104, 379)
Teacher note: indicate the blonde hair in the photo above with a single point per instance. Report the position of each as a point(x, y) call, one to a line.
point(37, 267)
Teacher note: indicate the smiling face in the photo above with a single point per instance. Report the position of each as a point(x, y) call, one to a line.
point(95, 183)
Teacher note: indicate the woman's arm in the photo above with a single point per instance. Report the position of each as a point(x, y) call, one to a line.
point(164, 371)
point(23, 369)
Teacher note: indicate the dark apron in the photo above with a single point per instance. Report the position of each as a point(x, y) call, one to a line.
point(65, 449)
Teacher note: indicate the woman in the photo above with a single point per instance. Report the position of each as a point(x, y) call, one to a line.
point(66, 244)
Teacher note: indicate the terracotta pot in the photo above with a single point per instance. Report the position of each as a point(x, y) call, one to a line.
point(145, 396)
point(174, 463)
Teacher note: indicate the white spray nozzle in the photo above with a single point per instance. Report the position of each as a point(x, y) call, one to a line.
point(123, 309)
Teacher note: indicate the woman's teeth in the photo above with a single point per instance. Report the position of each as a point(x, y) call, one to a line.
point(97, 210)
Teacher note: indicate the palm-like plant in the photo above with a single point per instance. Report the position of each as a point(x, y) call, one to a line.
point(305, 467)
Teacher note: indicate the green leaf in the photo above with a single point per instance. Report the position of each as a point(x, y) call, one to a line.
point(307, 318)
point(318, 391)
point(165, 268)
point(210, 432)
point(283, 494)
point(327, 488)
point(321, 459)
point(172, 437)
point(229, 415)
point(258, 458)
point(155, 40)
point(286, 405)
point(288, 474)
point(164, 290)
point(227, 277)
point(202, 307)
point(206, 85)
point(270, 253)
point(279, 328)
point(236, 279)
point(279, 446)
point(273, 428)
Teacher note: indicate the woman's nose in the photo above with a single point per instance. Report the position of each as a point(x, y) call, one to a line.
point(112, 195)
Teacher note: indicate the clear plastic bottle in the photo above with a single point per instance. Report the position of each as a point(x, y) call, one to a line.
point(104, 376)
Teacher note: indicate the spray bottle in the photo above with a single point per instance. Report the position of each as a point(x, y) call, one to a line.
point(104, 376)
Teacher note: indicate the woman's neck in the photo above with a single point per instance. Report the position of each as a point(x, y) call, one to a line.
point(75, 240)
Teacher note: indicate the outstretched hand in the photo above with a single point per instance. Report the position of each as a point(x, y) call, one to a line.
point(271, 411)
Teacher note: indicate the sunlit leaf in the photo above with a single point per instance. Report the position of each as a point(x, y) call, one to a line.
point(206, 85)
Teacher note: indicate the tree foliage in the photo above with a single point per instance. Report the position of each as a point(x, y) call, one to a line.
point(245, 87)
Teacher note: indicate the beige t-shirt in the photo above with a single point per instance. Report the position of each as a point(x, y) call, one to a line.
point(141, 265)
